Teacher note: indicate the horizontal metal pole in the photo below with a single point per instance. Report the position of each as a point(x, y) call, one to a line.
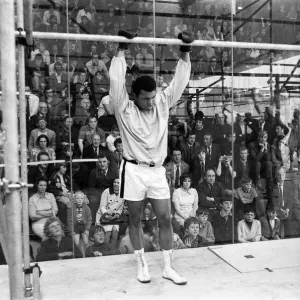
point(159, 41)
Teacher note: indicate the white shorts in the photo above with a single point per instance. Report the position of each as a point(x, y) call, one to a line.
point(139, 182)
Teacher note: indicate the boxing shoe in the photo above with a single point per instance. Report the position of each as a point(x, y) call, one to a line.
point(143, 275)
point(127, 34)
point(186, 38)
point(169, 272)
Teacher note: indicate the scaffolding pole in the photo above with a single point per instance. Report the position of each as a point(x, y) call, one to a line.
point(160, 41)
point(23, 141)
point(10, 120)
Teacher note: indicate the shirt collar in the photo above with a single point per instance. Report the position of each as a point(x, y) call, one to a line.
point(222, 214)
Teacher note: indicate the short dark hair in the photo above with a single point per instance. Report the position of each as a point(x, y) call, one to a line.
point(185, 176)
point(145, 83)
point(191, 132)
point(208, 133)
point(189, 221)
point(117, 141)
point(226, 198)
point(50, 221)
point(176, 149)
point(103, 155)
point(39, 179)
point(42, 153)
point(42, 136)
point(95, 229)
point(243, 148)
point(249, 208)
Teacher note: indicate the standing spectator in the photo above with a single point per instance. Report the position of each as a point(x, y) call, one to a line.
point(270, 225)
point(220, 128)
point(86, 132)
point(95, 65)
point(144, 60)
point(42, 206)
point(205, 228)
point(41, 129)
point(222, 222)
point(212, 151)
point(51, 12)
point(58, 81)
point(198, 167)
point(249, 229)
point(117, 156)
point(42, 144)
point(241, 166)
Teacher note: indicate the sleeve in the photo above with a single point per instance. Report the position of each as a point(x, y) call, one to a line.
point(53, 203)
point(258, 232)
point(81, 134)
point(92, 179)
point(210, 233)
point(195, 204)
point(120, 209)
point(70, 219)
point(202, 199)
point(31, 141)
point(32, 210)
point(89, 252)
point(181, 78)
point(102, 136)
point(45, 253)
point(240, 233)
point(103, 201)
point(118, 91)
point(89, 218)
point(111, 251)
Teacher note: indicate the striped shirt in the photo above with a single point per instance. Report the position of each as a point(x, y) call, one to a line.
point(144, 133)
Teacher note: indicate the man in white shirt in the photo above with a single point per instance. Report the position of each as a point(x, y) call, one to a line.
point(95, 65)
point(143, 125)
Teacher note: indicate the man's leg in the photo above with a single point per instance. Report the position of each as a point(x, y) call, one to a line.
point(136, 238)
point(162, 208)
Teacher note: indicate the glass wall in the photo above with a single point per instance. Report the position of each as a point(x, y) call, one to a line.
point(235, 129)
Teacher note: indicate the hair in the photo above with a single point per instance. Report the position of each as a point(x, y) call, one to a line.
point(103, 155)
point(67, 117)
point(280, 124)
point(145, 83)
point(245, 180)
point(117, 141)
point(176, 149)
point(208, 133)
point(95, 229)
point(42, 153)
point(190, 132)
point(249, 208)
point(39, 179)
point(210, 170)
point(201, 149)
point(50, 221)
point(59, 165)
point(37, 143)
point(226, 198)
point(183, 177)
point(262, 133)
point(38, 55)
point(189, 221)
point(114, 127)
point(90, 118)
point(243, 148)
point(202, 210)
point(57, 64)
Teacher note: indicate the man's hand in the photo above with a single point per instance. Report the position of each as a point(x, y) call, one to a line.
point(210, 198)
point(97, 253)
point(65, 254)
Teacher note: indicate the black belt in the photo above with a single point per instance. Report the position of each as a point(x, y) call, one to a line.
point(142, 163)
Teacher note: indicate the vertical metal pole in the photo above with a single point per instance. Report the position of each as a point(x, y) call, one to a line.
point(154, 36)
point(270, 56)
point(24, 194)
point(10, 120)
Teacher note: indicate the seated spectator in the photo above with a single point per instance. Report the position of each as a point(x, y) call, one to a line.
point(220, 128)
point(43, 51)
point(249, 229)
point(42, 144)
point(58, 81)
point(41, 129)
point(270, 225)
point(73, 47)
point(185, 200)
point(199, 68)
point(174, 169)
point(79, 220)
point(86, 132)
point(213, 65)
point(144, 60)
point(244, 195)
point(192, 239)
point(205, 228)
point(109, 52)
point(85, 11)
point(97, 65)
point(239, 128)
point(189, 147)
point(115, 133)
point(212, 151)
point(60, 187)
point(126, 246)
point(59, 59)
point(80, 174)
point(100, 246)
point(210, 192)
point(225, 172)
point(199, 127)
point(198, 166)
point(94, 150)
point(222, 222)
point(208, 53)
point(116, 157)
point(84, 112)
point(260, 156)
point(42, 206)
point(105, 107)
point(241, 166)
point(100, 86)
point(110, 209)
point(277, 147)
point(160, 84)
point(227, 147)
point(57, 246)
point(41, 113)
point(100, 179)
point(51, 12)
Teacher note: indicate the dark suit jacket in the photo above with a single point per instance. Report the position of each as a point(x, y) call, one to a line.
point(89, 152)
point(196, 171)
point(187, 154)
point(204, 191)
point(276, 156)
point(100, 181)
point(269, 128)
point(266, 229)
point(256, 155)
point(115, 160)
point(240, 171)
point(213, 162)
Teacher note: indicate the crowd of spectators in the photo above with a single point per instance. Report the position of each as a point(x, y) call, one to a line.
point(69, 115)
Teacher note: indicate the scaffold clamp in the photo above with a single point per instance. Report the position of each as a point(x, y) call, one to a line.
point(8, 185)
point(30, 270)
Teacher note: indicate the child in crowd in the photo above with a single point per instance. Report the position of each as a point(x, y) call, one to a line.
point(249, 229)
point(270, 225)
point(79, 219)
point(115, 133)
point(205, 228)
point(246, 194)
point(99, 248)
point(192, 238)
point(154, 240)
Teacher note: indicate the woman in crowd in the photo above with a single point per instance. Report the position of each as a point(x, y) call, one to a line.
point(57, 246)
point(42, 206)
point(42, 145)
point(185, 200)
point(110, 209)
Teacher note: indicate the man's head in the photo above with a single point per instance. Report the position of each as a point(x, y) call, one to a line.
point(43, 156)
point(144, 91)
point(220, 118)
point(201, 153)
point(191, 226)
point(68, 121)
point(43, 108)
point(271, 212)
point(279, 129)
point(41, 123)
point(262, 137)
point(191, 137)
point(103, 163)
point(280, 175)
point(53, 227)
point(82, 77)
point(96, 140)
point(95, 59)
point(249, 213)
point(244, 153)
point(202, 215)
point(210, 176)
point(207, 139)
point(118, 144)
point(246, 183)
point(58, 67)
point(176, 155)
point(85, 103)
point(92, 122)
point(97, 234)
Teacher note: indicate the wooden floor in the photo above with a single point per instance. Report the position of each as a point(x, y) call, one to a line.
point(209, 277)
